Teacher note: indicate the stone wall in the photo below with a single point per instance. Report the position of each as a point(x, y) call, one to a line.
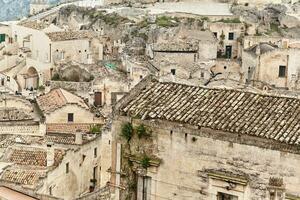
point(21, 128)
point(82, 162)
point(71, 86)
point(192, 158)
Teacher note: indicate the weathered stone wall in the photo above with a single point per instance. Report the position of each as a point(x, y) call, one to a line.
point(189, 154)
point(81, 161)
point(222, 28)
point(71, 86)
point(22, 128)
point(81, 115)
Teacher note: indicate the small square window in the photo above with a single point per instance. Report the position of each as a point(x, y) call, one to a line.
point(231, 36)
point(67, 168)
point(173, 71)
point(70, 117)
point(282, 71)
point(202, 74)
point(216, 34)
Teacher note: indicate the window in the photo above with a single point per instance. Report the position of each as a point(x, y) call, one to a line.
point(144, 188)
point(202, 74)
point(173, 71)
point(95, 152)
point(282, 71)
point(67, 168)
point(70, 117)
point(141, 77)
point(50, 190)
point(216, 34)
point(231, 36)
point(2, 81)
point(2, 38)
point(224, 196)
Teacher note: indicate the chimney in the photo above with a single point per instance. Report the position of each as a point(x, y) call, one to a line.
point(78, 137)
point(50, 154)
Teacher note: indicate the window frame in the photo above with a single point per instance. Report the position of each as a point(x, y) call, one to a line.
point(282, 71)
point(70, 117)
point(231, 36)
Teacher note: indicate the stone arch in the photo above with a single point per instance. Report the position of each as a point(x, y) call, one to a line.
point(32, 78)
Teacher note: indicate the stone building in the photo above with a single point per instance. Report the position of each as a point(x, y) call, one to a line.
point(229, 35)
point(266, 66)
point(62, 107)
point(174, 141)
point(184, 55)
point(58, 165)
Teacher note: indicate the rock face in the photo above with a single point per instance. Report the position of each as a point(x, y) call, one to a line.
point(289, 21)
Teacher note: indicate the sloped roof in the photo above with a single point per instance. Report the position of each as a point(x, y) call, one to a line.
point(265, 116)
point(58, 98)
point(70, 35)
point(263, 47)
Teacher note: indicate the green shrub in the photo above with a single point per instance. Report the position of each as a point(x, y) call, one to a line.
point(141, 131)
point(56, 77)
point(127, 131)
point(145, 162)
point(96, 129)
point(166, 21)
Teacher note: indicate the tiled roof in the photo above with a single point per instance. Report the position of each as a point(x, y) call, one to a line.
point(34, 25)
point(264, 116)
point(22, 176)
point(175, 47)
point(58, 98)
point(66, 138)
point(68, 128)
point(70, 35)
point(34, 157)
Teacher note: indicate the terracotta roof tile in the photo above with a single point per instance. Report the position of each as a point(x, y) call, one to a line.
point(34, 157)
point(22, 176)
point(58, 98)
point(270, 117)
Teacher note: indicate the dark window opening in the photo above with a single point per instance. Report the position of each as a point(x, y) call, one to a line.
point(223, 196)
point(282, 71)
point(230, 36)
point(95, 152)
point(98, 99)
point(225, 67)
point(67, 168)
point(173, 71)
point(216, 34)
point(70, 117)
point(50, 190)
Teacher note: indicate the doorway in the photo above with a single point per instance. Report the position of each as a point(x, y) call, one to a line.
point(228, 52)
